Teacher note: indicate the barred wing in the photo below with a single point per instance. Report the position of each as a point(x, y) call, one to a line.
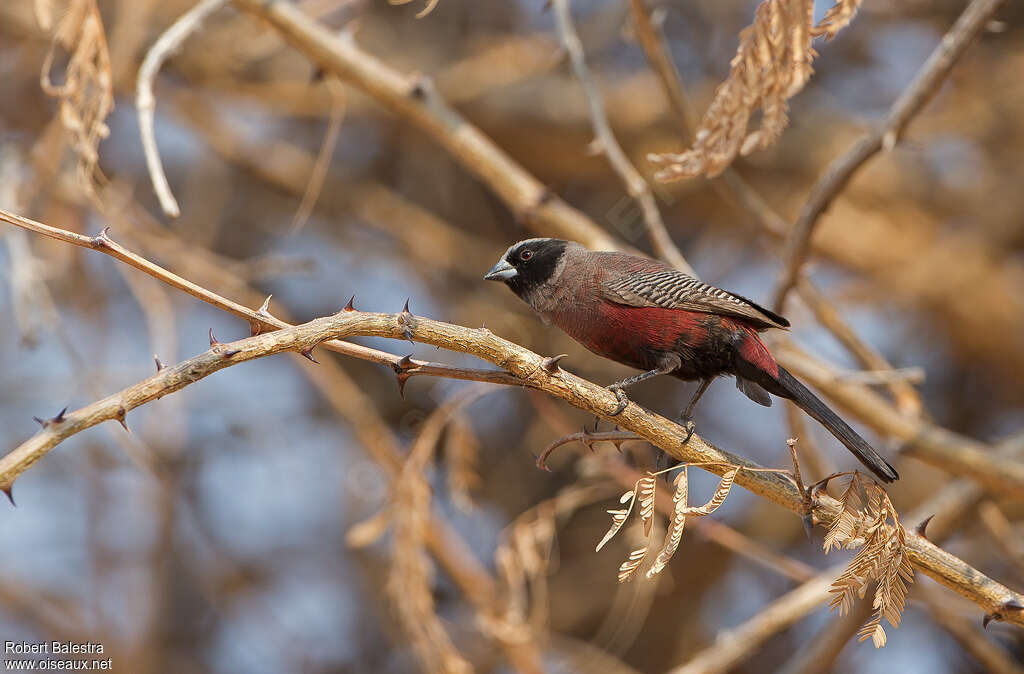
point(670, 289)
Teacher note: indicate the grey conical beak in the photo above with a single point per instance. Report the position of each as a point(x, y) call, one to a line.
point(502, 271)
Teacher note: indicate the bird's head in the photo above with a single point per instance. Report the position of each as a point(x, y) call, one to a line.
point(528, 265)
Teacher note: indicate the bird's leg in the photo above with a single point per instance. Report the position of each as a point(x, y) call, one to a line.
point(669, 363)
point(687, 416)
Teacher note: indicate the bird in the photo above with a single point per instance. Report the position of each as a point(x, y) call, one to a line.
point(652, 317)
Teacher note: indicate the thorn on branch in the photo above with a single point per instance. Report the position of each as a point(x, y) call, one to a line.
point(255, 327)
point(9, 491)
point(308, 353)
point(419, 86)
point(550, 365)
point(213, 340)
point(406, 321)
point(402, 372)
point(588, 439)
point(923, 526)
point(159, 365)
point(121, 412)
point(351, 304)
point(102, 240)
point(51, 421)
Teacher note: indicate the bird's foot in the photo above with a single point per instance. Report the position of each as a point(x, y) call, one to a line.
point(690, 428)
point(623, 400)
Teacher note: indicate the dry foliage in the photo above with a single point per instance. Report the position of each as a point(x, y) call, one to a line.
point(869, 522)
point(523, 560)
point(461, 453)
point(645, 491)
point(410, 580)
point(86, 97)
point(772, 64)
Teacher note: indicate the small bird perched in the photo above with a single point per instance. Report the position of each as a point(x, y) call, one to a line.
point(645, 314)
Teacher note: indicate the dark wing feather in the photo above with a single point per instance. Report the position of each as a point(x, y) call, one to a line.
point(661, 286)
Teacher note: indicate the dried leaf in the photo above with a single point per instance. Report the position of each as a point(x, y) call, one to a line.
point(868, 521)
point(718, 498)
point(632, 563)
point(87, 94)
point(618, 519)
point(836, 18)
point(647, 487)
point(771, 65)
point(675, 528)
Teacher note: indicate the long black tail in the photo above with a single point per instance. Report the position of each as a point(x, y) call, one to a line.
point(810, 403)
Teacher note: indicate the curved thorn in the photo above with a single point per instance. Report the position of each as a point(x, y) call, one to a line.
point(265, 307)
point(102, 239)
point(351, 304)
point(1013, 605)
point(405, 309)
point(308, 353)
point(989, 617)
point(121, 419)
point(213, 340)
point(60, 416)
point(9, 490)
point(920, 528)
point(41, 422)
point(231, 352)
point(550, 365)
point(159, 365)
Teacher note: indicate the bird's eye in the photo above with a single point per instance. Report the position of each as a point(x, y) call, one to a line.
point(525, 255)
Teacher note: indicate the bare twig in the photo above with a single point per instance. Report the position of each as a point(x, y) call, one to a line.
point(145, 102)
point(415, 99)
point(606, 142)
point(819, 653)
point(907, 399)
point(969, 634)
point(913, 99)
point(660, 60)
point(323, 158)
point(1000, 530)
point(733, 646)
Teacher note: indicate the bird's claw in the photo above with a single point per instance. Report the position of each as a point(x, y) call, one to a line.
point(623, 400)
point(690, 428)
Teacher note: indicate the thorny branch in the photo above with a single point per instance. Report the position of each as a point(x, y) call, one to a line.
point(999, 601)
